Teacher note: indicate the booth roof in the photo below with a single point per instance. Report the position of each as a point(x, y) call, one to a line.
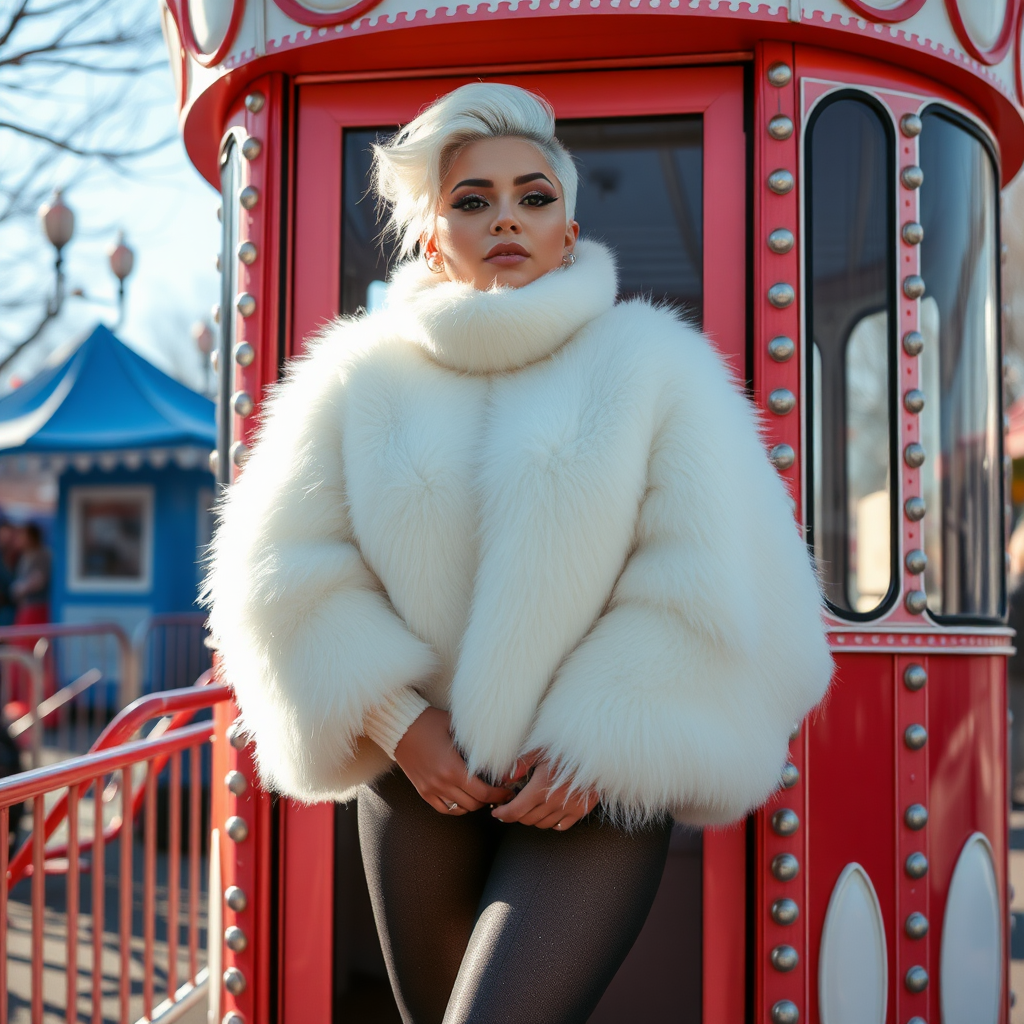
point(103, 397)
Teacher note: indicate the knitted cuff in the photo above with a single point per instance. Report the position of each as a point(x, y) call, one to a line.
point(386, 723)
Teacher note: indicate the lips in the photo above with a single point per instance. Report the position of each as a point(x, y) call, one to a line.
point(506, 252)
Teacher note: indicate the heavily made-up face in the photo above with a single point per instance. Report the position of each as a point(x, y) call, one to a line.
point(501, 217)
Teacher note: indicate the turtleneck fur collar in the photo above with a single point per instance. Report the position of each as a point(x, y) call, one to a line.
point(504, 329)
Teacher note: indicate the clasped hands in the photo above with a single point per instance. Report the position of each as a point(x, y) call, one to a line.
point(432, 764)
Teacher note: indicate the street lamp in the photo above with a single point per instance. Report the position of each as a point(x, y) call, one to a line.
point(59, 224)
point(122, 259)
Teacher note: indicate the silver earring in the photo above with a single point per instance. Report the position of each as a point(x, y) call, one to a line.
point(569, 259)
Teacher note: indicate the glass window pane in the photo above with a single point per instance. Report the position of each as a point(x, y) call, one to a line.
point(111, 531)
point(641, 192)
point(961, 481)
point(850, 272)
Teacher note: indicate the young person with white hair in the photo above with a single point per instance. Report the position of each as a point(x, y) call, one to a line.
point(510, 564)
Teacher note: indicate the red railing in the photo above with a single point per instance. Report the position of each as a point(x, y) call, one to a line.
point(107, 773)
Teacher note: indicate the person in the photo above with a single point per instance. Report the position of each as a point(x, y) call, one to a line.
point(509, 563)
point(8, 563)
point(31, 586)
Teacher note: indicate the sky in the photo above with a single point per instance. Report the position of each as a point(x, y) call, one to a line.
point(167, 211)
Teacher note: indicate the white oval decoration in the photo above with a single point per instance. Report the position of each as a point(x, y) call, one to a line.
point(971, 971)
point(983, 20)
point(853, 978)
point(210, 22)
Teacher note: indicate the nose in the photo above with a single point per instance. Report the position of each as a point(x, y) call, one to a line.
point(506, 222)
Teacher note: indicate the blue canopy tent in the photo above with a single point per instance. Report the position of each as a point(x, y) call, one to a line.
point(128, 446)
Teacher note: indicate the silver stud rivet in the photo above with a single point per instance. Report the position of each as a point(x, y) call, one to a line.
point(916, 979)
point(913, 286)
point(781, 240)
point(915, 736)
point(237, 829)
point(781, 181)
point(780, 74)
point(247, 253)
point(914, 677)
point(214, 461)
point(913, 233)
point(254, 102)
point(912, 177)
point(785, 867)
point(785, 1012)
point(235, 939)
point(232, 1018)
point(916, 601)
point(249, 196)
point(784, 958)
point(916, 865)
point(782, 456)
point(913, 400)
point(916, 926)
point(234, 981)
point(794, 733)
point(910, 125)
point(235, 898)
point(916, 817)
point(239, 452)
point(781, 295)
point(914, 509)
point(916, 561)
point(236, 782)
point(785, 911)
point(913, 342)
point(781, 401)
point(236, 736)
point(781, 348)
point(914, 455)
point(244, 353)
point(780, 127)
point(251, 148)
point(785, 822)
point(241, 403)
point(921, 1020)
point(790, 775)
point(245, 304)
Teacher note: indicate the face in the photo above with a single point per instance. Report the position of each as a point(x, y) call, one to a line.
point(501, 218)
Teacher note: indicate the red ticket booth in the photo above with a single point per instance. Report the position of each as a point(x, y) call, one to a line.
point(817, 183)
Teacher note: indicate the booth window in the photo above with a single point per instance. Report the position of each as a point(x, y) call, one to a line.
point(641, 192)
point(961, 479)
point(850, 295)
point(111, 539)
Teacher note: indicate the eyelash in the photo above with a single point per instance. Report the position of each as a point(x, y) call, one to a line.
point(464, 202)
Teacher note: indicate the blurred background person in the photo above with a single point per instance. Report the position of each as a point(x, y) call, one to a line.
point(31, 586)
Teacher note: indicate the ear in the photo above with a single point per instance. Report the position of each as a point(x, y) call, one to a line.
point(572, 234)
point(429, 247)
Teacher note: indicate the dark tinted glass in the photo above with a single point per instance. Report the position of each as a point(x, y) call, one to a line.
point(960, 362)
point(849, 275)
point(641, 191)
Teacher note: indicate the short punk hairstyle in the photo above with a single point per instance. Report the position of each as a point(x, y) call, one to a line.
point(408, 169)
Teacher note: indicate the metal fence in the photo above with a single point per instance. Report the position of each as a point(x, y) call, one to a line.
point(132, 815)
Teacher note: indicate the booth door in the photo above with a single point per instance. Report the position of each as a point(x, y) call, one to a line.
point(662, 158)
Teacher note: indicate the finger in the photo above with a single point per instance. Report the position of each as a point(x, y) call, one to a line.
point(523, 764)
point(566, 823)
point(549, 809)
point(521, 805)
point(550, 820)
point(466, 801)
point(486, 794)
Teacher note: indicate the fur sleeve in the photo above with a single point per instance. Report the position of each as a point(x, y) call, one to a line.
point(306, 636)
point(683, 694)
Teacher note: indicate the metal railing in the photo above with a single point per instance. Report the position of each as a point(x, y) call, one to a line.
point(170, 650)
point(85, 814)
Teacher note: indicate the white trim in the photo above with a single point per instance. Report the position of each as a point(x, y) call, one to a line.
point(125, 585)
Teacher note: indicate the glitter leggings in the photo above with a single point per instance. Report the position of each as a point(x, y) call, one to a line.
point(487, 923)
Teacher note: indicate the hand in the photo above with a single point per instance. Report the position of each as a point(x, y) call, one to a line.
point(538, 804)
point(432, 764)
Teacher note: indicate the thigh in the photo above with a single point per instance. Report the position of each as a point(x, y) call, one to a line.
point(559, 913)
point(425, 873)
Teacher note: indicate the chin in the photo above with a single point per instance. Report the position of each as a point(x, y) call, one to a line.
point(512, 277)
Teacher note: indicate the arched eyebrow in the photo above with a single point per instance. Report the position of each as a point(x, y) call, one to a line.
point(487, 183)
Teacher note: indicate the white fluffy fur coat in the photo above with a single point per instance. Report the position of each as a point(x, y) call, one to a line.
point(551, 515)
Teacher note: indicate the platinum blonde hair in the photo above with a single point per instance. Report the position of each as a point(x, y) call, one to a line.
point(408, 169)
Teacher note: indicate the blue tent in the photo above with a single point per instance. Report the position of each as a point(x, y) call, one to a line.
point(128, 447)
point(104, 397)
